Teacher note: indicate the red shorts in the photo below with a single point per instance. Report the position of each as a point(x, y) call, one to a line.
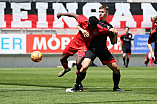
point(75, 47)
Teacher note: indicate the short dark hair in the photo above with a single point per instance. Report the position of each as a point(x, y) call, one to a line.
point(155, 18)
point(127, 27)
point(93, 20)
point(104, 7)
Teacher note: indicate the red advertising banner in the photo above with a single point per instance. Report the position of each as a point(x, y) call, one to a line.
point(56, 43)
point(47, 43)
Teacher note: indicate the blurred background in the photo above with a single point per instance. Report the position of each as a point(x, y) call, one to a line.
point(32, 25)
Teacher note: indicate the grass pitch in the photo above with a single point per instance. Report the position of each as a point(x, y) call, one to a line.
point(42, 86)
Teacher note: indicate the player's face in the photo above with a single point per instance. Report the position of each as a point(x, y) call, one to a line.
point(102, 13)
point(126, 30)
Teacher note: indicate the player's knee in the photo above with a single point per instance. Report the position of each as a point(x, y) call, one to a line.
point(63, 60)
point(78, 63)
point(116, 69)
point(84, 69)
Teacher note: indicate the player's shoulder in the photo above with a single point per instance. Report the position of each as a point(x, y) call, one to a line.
point(105, 24)
point(82, 18)
point(153, 31)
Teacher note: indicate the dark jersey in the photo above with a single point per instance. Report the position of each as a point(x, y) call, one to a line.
point(98, 47)
point(127, 38)
point(153, 38)
point(100, 40)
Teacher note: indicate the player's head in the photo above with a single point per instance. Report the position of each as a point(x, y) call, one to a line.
point(126, 28)
point(103, 12)
point(155, 21)
point(92, 22)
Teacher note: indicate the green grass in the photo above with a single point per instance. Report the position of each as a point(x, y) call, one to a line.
point(42, 86)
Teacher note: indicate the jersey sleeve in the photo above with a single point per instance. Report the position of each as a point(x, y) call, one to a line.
point(151, 38)
point(132, 37)
point(101, 29)
point(104, 30)
point(80, 19)
point(121, 38)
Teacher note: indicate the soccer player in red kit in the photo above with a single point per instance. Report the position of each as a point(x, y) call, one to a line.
point(98, 48)
point(153, 38)
point(80, 42)
point(148, 58)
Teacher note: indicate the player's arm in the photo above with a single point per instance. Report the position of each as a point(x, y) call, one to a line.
point(132, 42)
point(67, 14)
point(151, 50)
point(84, 32)
point(113, 35)
point(151, 39)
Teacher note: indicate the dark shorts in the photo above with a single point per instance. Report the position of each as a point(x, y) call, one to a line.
point(126, 50)
point(104, 55)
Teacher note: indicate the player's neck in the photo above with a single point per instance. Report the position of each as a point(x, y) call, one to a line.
point(103, 19)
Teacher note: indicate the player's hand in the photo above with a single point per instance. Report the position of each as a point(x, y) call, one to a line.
point(85, 33)
point(152, 55)
point(59, 15)
point(113, 30)
point(133, 49)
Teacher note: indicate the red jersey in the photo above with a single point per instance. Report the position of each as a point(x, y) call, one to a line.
point(79, 43)
point(80, 39)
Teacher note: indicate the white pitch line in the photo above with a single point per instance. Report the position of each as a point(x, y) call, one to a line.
point(28, 88)
point(64, 88)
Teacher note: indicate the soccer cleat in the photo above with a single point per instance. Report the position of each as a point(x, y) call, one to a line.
point(75, 88)
point(123, 66)
point(126, 66)
point(81, 87)
point(117, 89)
point(61, 73)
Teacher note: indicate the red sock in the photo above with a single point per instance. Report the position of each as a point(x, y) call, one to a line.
point(151, 62)
point(65, 65)
point(76, 71)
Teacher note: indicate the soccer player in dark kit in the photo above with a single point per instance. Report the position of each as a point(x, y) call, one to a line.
point(99, 49)
point(127, 40)
point(153, 38)
point(80, 42)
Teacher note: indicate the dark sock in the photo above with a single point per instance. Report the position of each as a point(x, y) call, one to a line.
point(116, 79)
point(127, 61)
point(124, 60)
point(80, 77)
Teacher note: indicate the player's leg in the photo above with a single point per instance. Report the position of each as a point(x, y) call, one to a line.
point(82, 73)
point(146, 61)
point(81, 54)
point(80, 76)
point(79, 65)
point(151, 62)
point(123, 55)
point(127, 60)
point(116, 75)
point(128, 52)
point(64, 62)
point(70, 50)
point(107, 59)
point(155, 55)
